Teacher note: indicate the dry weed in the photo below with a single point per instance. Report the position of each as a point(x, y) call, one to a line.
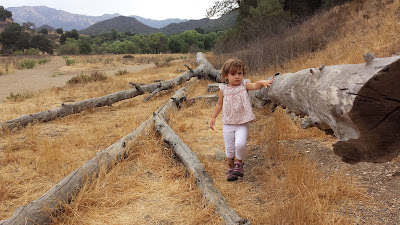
point(37, 157)
point(150, 187)
point(278, 190)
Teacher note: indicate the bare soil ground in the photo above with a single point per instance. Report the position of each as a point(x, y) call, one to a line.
point(52, 74)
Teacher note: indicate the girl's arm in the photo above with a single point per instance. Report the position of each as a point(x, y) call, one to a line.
point(217, 109)
point(259, 84)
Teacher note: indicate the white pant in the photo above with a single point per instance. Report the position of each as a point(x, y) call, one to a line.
point(235, 137)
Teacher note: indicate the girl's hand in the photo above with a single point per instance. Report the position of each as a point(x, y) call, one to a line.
point(212, 123)
point(259, 84)
point(267, 83)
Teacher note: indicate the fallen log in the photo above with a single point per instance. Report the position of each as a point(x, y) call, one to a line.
point(108, 100)
point(360, 103)
point(205, 70)
point(195, 167)
point(50, 203)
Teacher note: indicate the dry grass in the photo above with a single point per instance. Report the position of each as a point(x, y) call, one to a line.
point(93, 62)
point(9, 64)
point(49, 99)
point(286, 188)
point(280, 186)
point(37, 157)
point(150, 187)
point(366, 26)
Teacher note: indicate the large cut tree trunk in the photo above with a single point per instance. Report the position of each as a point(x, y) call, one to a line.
point(360, 103)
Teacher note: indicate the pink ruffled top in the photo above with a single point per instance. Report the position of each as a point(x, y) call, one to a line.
point(236, 107)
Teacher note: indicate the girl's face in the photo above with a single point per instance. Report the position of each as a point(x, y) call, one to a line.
point(235, 77)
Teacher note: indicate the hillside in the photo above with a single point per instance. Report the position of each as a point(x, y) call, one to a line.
point(45, 26)
point(125, 24)
point(4, 24)
point(120, 24)
point(41, 15)
point(157, 23)
point(224, 22)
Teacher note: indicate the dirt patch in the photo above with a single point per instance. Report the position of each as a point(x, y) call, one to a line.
point(52, 74)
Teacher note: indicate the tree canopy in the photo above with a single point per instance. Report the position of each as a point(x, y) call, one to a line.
point(4, 14)
point(18, 38)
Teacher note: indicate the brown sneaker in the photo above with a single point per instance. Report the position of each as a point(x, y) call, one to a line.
point(238, 169)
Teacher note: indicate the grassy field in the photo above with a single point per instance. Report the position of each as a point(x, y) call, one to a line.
point(281, 186)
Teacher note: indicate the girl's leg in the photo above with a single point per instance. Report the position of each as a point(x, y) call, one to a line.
point(229, 138)
point(241, 135)
point(230, 162)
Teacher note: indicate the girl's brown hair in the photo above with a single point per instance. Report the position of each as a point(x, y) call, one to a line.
point(231, 66)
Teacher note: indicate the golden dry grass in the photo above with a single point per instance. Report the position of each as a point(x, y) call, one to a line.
point(151, 187)
point(286, 188)
point(94, 62)
point(38, 156)
point(366, 26)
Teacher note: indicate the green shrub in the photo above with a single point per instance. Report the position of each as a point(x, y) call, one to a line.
point(121, 72)
point(32, 51)
point(84, 78)
point(43, 61)
point(98, 76)
point(70, 61)
point(128, 57)
point(26, 63)
point(56, 74)
point(18, 52)
point(18, 97)
point(71, 47)
point(164, 62)
point(81, 79)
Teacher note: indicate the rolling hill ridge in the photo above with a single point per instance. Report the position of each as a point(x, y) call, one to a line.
point(129, 24)
point(42, 15)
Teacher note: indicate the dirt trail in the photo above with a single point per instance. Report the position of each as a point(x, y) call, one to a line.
point(39, 77)
point(51, 74)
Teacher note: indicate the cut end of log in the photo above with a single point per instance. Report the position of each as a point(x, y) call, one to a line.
point(376, 114)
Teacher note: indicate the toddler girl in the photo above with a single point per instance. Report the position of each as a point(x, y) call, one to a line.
point(234, 101)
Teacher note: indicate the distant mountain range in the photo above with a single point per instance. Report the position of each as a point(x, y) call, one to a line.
point(125, 24)
point(49, 17)
point(42, 15)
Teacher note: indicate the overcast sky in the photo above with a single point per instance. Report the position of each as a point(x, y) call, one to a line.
point(151, 9)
